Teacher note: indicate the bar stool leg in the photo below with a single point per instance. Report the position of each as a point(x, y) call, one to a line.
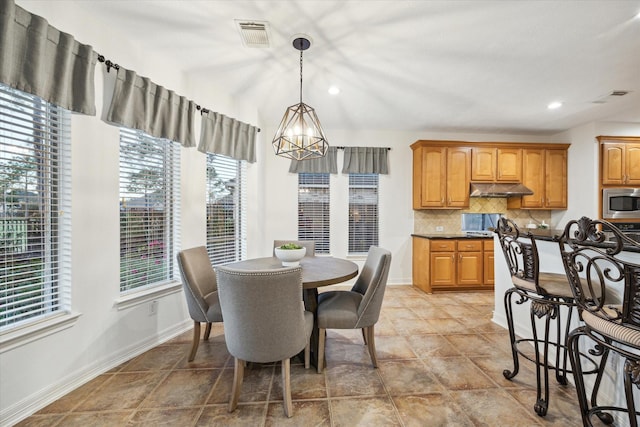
point(629, 367)
point(542, 368)
point(512, 335)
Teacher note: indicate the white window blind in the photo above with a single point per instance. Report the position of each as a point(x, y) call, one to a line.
point(363, 212)
point(149, 207)
point(226, 229)
point(34, 208)
point(313, 209)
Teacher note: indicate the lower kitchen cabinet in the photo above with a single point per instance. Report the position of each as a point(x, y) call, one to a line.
point(452, 264)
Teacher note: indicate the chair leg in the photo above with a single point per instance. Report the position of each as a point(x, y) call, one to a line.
point(576, 367)
point(542, 367)
point(286, 387)
point(207, 331)
point(364, 335)
point(629, 367)
point(196, 341)
point(238, 375)
point(512, 335)
point(321, 338)
point(371, 344)
point(307, 356)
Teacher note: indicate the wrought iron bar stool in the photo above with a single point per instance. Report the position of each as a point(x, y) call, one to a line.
point(596, 265)
point(547, 293)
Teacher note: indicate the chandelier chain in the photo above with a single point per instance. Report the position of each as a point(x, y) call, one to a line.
point(300, 77)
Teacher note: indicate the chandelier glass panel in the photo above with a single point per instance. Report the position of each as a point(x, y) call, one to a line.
point(300, 135)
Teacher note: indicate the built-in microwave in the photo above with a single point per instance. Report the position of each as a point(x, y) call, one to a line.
point(621, 203)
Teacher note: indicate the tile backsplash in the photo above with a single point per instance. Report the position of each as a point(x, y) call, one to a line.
point(426, 221)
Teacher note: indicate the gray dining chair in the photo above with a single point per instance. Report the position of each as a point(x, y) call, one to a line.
point(265, 321)
point(201, 292)
point(358, 308)
point(309, 244)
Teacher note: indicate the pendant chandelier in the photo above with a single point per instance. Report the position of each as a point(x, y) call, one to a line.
point(300, 135)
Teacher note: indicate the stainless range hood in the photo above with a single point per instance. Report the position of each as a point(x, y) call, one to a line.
point(491, 189)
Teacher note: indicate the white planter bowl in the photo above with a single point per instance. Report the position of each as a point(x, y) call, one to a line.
point(290, 257)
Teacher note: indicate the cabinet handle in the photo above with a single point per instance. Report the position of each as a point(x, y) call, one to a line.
point(442, 201)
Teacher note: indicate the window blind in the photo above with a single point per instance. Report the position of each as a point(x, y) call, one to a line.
point(149, 206)
point(34, 208)
point(313, 209)
point(363, 212)
point(226, 227)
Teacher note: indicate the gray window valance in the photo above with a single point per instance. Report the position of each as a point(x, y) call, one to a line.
point(326, 164)
point(365, 160)
point(39, 59)
point(227, 136)
point(138, 103)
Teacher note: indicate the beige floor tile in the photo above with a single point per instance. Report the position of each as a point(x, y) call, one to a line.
point(492, 408)
point(161, 358)
point(96, 419)
point(431, 345)
point(494, 366)
point(368, 411)
point(393, 348)
point(459, 373)
point(123, 391)
point(434, 410)
point(472, 344)
point(183, 388)
point(403, 377)
point(255, 386)
point(353, 380)
point(165, 417)
point(46, 420)
point(245, 415)
point(305, 413)
point(69, 401)
point(305, 384)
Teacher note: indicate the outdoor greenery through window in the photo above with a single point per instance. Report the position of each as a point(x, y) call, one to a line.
point(363, 212)
point(226, 230)
point(313, 209)
point(149, 206)
point(34, 208)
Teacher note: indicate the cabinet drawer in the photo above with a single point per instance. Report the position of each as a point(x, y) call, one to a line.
point(443, 245)
point(488, 245)
point(469, 245)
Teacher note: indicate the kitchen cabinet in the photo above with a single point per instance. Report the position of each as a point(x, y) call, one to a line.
point(488, 258)
point(452, 264)
point(441, 177)
point(491, 164)
point(620, 163)
point(544, 171)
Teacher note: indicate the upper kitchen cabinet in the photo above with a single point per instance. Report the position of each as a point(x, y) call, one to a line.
point(620, 160)
point(545, 172)
point(491, 164)
point(441, 177)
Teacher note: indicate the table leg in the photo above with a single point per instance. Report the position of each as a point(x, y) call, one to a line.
point(310, 297)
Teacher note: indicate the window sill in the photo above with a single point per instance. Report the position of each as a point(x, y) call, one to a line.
point(26, 334)
point(149, 294)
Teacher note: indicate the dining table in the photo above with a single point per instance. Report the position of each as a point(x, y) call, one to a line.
point(317, 271)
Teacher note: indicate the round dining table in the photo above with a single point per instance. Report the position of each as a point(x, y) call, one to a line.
point(317, 271)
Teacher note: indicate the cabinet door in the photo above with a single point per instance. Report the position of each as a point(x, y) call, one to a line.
point(509, 167)
point(443, 269)
point(555, 179)
point(613, 163)
point(632, 157)
point(470, 268)
point(483, 164)
point(489, 258)
point(434, 177)
point(533, 177)
point(458, 174)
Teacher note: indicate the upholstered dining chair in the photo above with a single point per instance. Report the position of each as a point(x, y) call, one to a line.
point(358, 308)
point(547, 293)
point(598, 267)
point(265, 321)
point(201, 292)
point(309, 244)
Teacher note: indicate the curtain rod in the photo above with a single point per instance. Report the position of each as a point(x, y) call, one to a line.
point(342, 148)
point(115, 66)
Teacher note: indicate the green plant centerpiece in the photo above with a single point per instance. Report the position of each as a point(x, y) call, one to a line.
point(290, 254)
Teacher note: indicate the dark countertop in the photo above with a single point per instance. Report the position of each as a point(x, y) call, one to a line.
point(450, 236)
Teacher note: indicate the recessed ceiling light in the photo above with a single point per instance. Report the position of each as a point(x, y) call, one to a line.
point(334, 90)
point(554, 105)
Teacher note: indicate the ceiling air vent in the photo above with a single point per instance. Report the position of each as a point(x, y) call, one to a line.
point(610, 95)
point(254, 33)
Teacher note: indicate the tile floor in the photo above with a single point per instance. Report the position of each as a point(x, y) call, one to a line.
point(440, 364)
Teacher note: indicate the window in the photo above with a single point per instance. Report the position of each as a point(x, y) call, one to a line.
point(313, 209)
point(149, 206)
point(226, 229)
point(363, 212)
point(34, 208)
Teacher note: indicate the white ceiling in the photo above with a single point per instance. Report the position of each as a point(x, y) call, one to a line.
point(407, 65)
